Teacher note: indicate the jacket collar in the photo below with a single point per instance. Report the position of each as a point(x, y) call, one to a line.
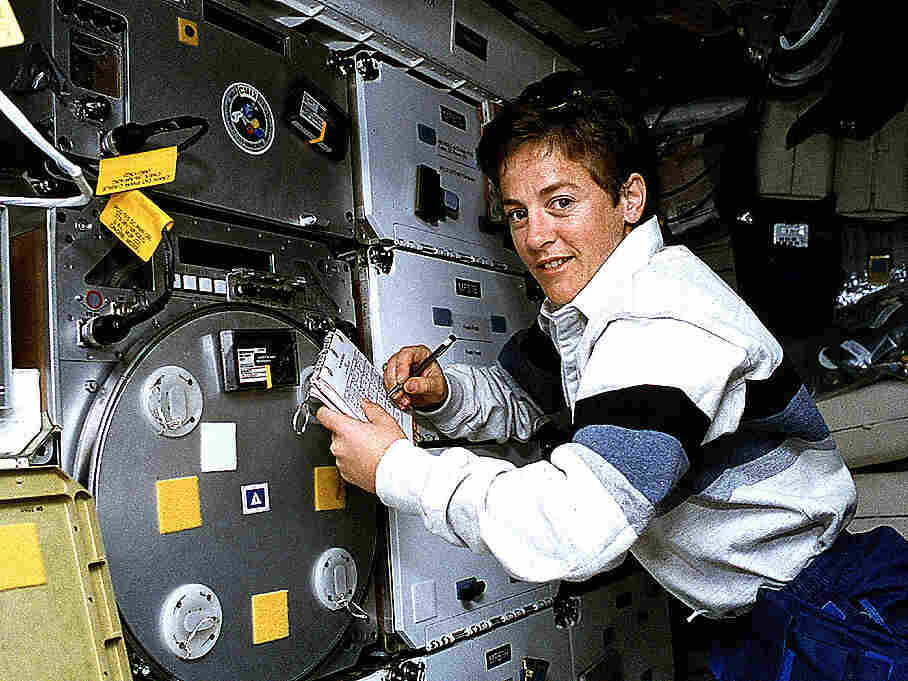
point(607, 291)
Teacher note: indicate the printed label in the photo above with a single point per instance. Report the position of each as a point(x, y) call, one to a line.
point(256, 498)
point(498, 656)
point(135, 171)
point(250, 367)
point(453, 118)
point(467, 288)
point(456, 152)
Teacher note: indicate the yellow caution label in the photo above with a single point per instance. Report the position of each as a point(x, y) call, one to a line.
point(187, 32)
point(268, 384)
point(270, 618)
point(135, 171)
point(330, 492)
point(22, 564)
point(10, 33)
point(179, 507)
point(136, 221)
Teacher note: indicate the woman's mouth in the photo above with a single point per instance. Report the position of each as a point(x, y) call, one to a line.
point(553, 265)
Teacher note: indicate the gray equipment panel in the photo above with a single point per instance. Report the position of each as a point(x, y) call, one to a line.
point(529, 643)
point(466, 45)
point(417, 168)
point(251, 540)
point(142, 62)
point(623, 632)
point(91, 276)
point(422, 300)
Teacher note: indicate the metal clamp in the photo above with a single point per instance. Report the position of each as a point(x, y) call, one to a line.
point(300, 419)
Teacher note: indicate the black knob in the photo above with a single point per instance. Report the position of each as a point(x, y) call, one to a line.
point(96, 109)
point(84, 12)
point(105, 330)
point(470, 589)
point(116, 24)
point(66, 6)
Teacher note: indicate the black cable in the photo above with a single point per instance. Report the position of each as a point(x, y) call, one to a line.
point(136, 317)
point(130, 137)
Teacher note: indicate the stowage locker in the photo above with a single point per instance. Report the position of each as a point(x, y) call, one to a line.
point(273, 117)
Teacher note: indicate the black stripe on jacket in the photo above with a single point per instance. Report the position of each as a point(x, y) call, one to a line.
point(531, 358)
point(660, 408)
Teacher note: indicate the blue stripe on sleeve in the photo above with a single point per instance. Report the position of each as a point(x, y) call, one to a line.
point(652, 462)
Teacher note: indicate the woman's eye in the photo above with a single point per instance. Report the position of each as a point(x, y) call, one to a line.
point(562, 203)
point(516, 215)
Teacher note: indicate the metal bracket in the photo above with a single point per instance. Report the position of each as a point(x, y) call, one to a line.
point(566, 611)
point(382, 257)
point(367, 66)
point(35, 450)
point(408, 670)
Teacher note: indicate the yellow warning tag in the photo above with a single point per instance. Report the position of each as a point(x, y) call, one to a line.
point(136, 221)
point(27, 568)
point(10, 33)
point(134, 171)
point(330, 493)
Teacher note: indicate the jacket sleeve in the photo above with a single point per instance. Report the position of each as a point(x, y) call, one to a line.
point(578, 513)
point(506, 400)
point(485, 403)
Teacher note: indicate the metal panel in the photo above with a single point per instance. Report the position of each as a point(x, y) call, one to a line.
point(422, 300)
point(417, 301)
point(405, 127)
point(624, 632)
point(514, 57)
point(502, 652)
point(82, 243)
point(144, 62)
point(257, 531)
point(104, 392)
point(487, 50)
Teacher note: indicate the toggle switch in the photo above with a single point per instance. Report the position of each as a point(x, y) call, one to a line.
point(470, 589)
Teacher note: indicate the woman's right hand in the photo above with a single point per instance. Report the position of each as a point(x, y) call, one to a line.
point(422, 392)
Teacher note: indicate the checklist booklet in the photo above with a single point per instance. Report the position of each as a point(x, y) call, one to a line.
point(343, 376)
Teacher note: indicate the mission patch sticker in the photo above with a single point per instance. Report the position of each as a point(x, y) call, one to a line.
point(248, 118)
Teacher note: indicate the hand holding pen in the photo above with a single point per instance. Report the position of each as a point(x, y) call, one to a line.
point(414, 378)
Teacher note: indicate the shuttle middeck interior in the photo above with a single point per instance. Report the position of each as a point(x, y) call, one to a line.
point(170, 510)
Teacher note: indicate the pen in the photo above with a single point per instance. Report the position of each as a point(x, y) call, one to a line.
point(422, 366)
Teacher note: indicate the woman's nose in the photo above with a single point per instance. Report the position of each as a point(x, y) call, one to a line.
point(539, 231)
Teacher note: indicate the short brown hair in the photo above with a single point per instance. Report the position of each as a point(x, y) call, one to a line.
point(566, 112)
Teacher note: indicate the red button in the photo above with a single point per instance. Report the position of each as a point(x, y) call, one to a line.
point(93, 300)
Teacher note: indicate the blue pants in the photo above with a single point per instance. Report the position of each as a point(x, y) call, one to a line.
point(844, 618)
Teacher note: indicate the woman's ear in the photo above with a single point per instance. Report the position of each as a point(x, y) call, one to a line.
point(633, 197)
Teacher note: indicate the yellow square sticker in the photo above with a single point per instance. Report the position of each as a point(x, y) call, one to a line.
point(27, 567)
point(10, 33)
point(270, 618)
point(135, 171)
point(136, 221)
point(179, 507)
point(330, 493)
